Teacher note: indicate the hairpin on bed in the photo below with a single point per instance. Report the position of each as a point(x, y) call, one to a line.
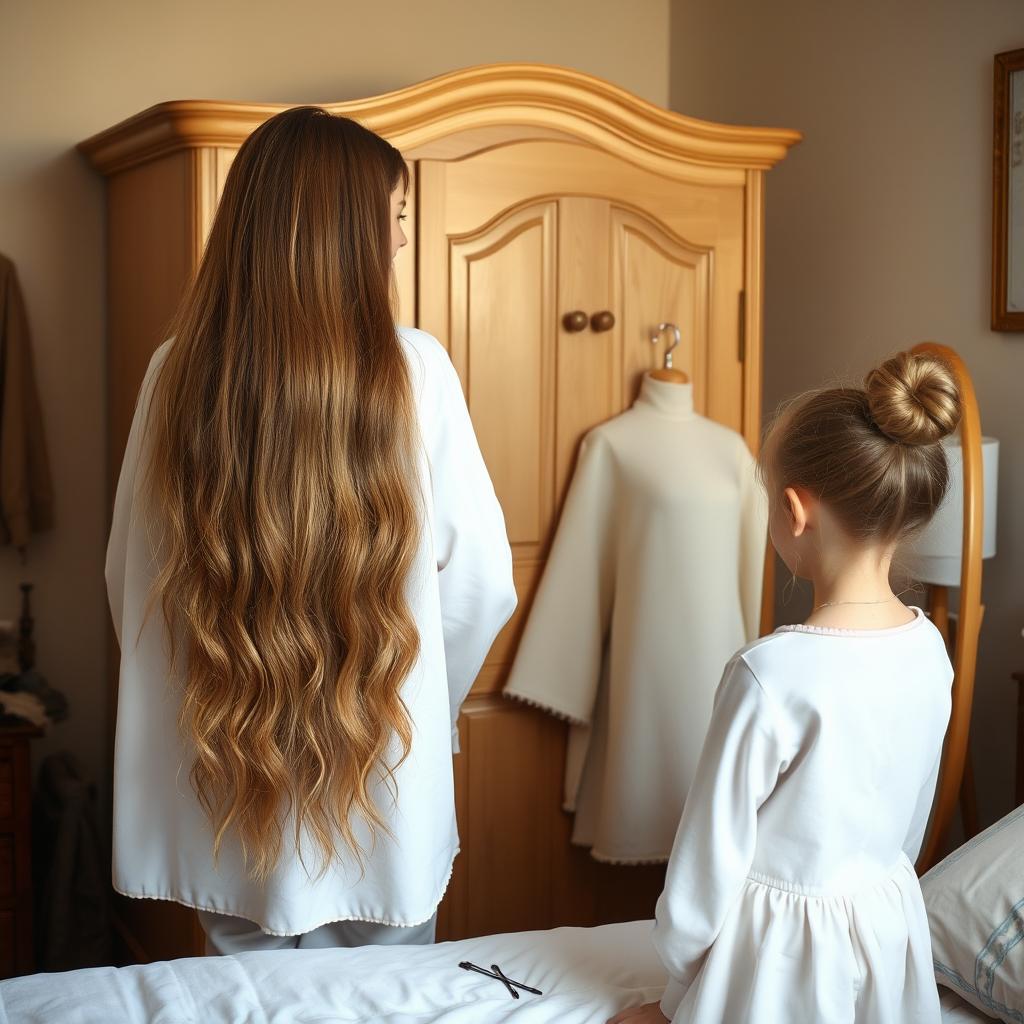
point(498, 975)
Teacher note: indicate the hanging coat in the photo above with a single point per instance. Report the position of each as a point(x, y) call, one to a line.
point(653, 582)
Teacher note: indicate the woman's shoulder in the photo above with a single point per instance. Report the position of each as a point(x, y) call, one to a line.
point(417, 337)
point(437, 390)
point(428, 359)
point(423, 345)
point(156, 361)
point(159, 357)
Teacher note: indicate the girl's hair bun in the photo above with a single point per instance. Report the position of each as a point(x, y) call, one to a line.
point(913, 399)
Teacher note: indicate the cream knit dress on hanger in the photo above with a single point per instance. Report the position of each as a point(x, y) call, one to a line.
point(653, 582)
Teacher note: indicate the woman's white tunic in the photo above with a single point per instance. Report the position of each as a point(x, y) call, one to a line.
point(790, 893)
point(653, 581)
point(461, 594)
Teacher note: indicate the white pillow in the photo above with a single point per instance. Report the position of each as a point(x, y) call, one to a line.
point(975, 901)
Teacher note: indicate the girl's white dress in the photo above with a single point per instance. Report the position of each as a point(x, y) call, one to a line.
point(791, 894)
point(461, 593)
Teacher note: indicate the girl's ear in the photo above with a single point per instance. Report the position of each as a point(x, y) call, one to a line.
point(796, 510)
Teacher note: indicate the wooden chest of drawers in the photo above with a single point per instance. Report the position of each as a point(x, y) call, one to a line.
point(16, 956)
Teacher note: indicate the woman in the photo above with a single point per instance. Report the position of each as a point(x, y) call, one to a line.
point(306, 568)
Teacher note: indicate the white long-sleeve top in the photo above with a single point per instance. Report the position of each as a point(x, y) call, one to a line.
point(791, 894)
point(461, 594)
point(653, 581)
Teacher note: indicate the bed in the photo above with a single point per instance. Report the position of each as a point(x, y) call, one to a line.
point(585, 975)
point(957, 1011)
point(974, 898)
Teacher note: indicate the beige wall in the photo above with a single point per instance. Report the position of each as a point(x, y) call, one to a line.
point(878, 232)
point(70, 69)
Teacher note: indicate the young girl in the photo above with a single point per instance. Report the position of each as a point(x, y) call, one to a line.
point(306, 568)
point(791, 894)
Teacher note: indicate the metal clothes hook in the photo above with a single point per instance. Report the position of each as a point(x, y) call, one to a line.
point(656, 337)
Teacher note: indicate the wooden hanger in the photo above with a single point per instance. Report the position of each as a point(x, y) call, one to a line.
point(669, 373)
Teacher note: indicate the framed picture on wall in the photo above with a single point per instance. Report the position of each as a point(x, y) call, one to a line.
point(1008, 193)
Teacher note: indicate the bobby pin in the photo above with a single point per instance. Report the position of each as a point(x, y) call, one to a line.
point(499, 976)
point(508, 984)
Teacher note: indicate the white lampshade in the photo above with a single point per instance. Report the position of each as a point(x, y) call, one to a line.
point(934, 555)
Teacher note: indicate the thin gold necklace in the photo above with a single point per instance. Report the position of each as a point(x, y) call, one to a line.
point(835, 604)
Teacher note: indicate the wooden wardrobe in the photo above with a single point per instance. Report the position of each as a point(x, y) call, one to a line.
point(556, 220)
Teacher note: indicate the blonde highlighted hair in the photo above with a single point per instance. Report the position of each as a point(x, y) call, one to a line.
point(282, 472)
point(871, 454)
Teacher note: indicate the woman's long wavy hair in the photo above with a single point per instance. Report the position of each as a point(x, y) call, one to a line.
point(282, 468)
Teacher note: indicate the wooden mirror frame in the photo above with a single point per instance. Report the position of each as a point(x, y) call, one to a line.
point(965, 655)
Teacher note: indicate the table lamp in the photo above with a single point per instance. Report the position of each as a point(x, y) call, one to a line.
point(934, 555)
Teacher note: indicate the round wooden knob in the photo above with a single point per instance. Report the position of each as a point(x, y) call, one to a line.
point(574, 321)
point(603, 321)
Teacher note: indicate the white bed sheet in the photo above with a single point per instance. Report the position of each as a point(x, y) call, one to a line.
point(586, 975)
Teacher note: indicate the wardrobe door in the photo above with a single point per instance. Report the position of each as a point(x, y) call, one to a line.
point(495, 280)
point(511, 242)
point(658, 277)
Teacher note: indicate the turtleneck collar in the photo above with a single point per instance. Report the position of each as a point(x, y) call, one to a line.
point(666, 398)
